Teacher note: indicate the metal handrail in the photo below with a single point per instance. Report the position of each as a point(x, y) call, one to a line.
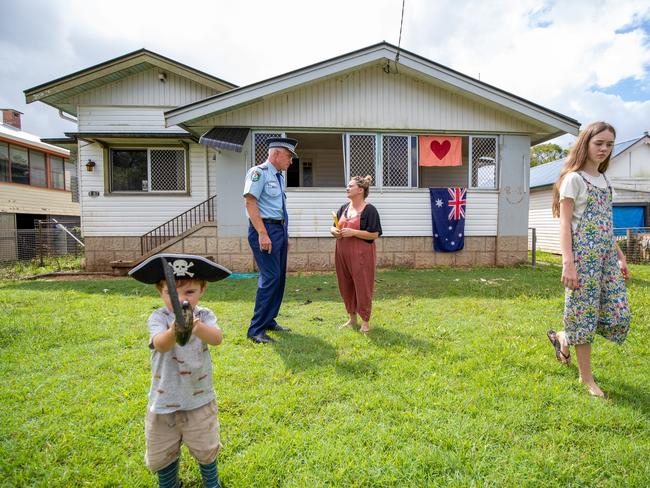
point(199, 214)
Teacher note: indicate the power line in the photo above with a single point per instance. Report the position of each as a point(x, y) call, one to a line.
point(399, 42)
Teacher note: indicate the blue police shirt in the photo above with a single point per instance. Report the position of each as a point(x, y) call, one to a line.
point(262, 183)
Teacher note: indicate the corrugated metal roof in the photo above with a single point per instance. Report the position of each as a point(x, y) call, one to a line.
point(17, 135)
point(231, 138)
point(547, 174)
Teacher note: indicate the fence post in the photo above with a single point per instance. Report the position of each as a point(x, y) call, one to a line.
point(40, 244)
point(628, 246)
point(534, 244)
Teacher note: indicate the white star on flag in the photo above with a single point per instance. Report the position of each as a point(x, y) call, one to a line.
point(438, 203)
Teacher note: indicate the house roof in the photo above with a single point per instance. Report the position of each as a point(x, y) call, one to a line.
point(555, 124)
point(56, 91)
point(547, 174)
point(11, 134)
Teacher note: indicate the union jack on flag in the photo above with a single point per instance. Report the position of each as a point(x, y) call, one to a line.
point(457, 203)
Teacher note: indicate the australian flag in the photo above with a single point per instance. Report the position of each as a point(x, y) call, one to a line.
point(448, 218)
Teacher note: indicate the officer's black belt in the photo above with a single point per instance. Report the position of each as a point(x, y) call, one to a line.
point(273, 221)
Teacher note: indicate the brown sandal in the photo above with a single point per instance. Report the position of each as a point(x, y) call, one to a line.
point(559, 355)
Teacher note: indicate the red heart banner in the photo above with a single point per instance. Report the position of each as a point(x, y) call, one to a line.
point(440, 150)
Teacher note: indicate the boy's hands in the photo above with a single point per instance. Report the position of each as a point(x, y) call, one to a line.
point(210, 335)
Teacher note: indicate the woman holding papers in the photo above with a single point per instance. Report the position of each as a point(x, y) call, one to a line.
point(356, 226)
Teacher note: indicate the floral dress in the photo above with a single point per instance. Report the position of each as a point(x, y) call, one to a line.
point(599, 304)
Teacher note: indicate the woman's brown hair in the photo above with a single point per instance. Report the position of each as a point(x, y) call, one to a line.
point(363, 182)
point(577, 158)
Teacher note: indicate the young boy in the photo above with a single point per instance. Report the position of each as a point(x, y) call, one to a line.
point(182, 403)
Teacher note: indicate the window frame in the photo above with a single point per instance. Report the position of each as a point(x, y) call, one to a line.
point(470, 161)
point(148, 149)
point(412, 173)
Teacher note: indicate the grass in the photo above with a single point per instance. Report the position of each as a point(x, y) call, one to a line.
point(20, 269)
point(455, 385)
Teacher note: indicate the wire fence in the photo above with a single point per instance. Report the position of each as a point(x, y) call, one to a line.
point(40, 243)
point(635, 244)
point(633, 241)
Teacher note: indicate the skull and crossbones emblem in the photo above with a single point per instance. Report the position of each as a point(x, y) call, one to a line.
point(180, 267)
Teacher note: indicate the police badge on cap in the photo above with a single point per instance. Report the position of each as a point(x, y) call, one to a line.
point(283, 142)
point(186, 266)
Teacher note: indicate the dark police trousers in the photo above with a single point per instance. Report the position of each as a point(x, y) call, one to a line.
point(272, 276)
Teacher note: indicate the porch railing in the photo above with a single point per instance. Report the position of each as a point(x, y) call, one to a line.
point(199, 214)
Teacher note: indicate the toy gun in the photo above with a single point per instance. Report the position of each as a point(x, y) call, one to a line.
point(182, 312)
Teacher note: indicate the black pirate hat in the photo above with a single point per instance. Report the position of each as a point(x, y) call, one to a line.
point(152, 270)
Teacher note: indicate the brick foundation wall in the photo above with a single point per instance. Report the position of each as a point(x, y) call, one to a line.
point(316, 253)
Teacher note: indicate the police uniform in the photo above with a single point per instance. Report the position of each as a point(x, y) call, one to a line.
point(266, 184)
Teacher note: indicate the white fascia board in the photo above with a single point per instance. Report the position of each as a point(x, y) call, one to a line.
point(80, 80)
point(120, 65)
point(273, 86)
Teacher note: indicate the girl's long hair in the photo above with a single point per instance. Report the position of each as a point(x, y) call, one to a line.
point(577, 158)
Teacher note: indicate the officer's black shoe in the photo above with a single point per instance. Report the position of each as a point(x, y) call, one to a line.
point(279, 328)
point(261, 338)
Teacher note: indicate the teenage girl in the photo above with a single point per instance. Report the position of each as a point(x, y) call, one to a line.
point(594, 269)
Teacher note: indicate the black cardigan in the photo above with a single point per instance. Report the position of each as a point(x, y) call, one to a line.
point(369, 219)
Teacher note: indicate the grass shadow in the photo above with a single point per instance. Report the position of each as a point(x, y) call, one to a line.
point(630, 395)
point(388, 338)
point(302, 352)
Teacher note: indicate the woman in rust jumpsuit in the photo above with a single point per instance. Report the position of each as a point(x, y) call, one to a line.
point(356, 256)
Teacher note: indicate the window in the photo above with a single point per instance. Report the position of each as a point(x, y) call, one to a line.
point(56, 172)
point(362, 155)
point(19, 165)
point(4, 161)
point(261, 147)
point(483, 159)
point(30, 167)
point(395, 159)
point(148, 170)
point(37, 173)
point(387, 158)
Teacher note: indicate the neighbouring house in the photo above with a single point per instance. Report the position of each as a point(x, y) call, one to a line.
point(37, 182)
point(629, 174)
point(171, 146)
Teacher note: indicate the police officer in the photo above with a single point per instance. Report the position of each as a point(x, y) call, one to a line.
point(268, 234)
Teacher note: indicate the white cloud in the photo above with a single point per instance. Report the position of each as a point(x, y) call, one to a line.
point(555, 53)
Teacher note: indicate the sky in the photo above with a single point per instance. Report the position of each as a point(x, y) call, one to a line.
point(587, 59)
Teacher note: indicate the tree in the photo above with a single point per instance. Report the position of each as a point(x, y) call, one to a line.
point(545, 153)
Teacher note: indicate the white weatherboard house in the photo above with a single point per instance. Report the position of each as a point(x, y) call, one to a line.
point(629, 174)
point(171, 147)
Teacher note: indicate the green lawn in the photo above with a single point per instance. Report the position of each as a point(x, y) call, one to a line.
point(456, 385)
